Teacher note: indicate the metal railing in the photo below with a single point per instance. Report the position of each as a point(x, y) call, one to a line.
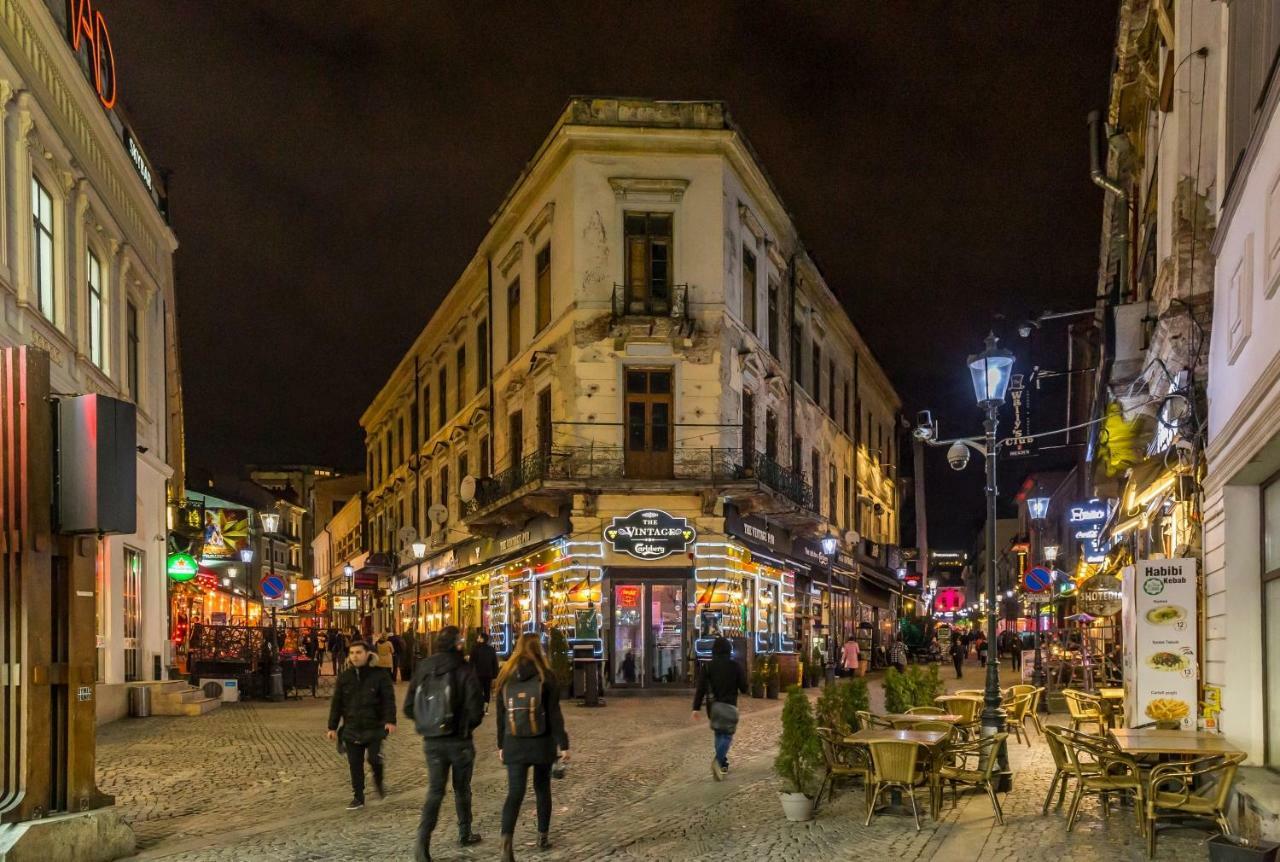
point(675, 306)
point(591, 462)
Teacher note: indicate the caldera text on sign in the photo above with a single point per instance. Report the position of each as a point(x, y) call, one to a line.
point(88, 26)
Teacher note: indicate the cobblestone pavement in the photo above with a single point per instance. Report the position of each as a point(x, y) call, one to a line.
point(260, 782)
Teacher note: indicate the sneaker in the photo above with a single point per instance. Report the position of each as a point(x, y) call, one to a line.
point(355, 805)
point(717, 771)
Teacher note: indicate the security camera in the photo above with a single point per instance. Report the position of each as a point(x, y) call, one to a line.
point(1025, 328)
point(958, 456)
point(924, 426)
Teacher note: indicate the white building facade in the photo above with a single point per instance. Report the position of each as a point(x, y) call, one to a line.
point(86, 274)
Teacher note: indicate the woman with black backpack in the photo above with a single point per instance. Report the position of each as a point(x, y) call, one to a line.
point(530, 729)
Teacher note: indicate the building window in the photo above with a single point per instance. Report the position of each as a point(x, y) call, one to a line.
point(426, 414)
point(831, 389)
point(544, 420)
point(648, 249)
point(797, 351)
point(482, 355)
point(848, 501)
point(748, 427)
point(817, 374)
point(429, 495)
point(1253, 38)
point(772, 323)
point(832, 496)
point(94, 281)
point(797, 447)
point(847, 408)
point(542, 266)
point(485, 465)
point(42, 248)
point(462, 376)
point(513, 320)
point(464, 464)
point(771, 436)
point(749, 290)
point(515, 438)
point(131, 350)
point(444, 491)
point(816, 473)
point(442, 395)
point(132, 613)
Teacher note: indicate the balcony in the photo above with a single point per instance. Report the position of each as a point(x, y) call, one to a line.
point(675, 305)
point(543, 481)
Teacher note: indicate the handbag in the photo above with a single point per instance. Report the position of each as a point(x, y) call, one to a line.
point(723, 716)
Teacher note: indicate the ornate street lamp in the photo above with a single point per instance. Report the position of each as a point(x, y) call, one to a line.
point(829, 545)
point(270, 525)
point(990, 371)
point(1038, 509)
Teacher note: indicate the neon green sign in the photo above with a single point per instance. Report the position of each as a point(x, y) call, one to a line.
point(181, 567)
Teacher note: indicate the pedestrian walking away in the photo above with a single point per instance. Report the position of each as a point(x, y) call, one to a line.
point(484, 660)
point(898, 656)
point(719, 685)
point(445, 703)
point(337, 651)
point(530, 730)
point(386, 655)
point(957, 656)
point(849, 657)
point(361, 714)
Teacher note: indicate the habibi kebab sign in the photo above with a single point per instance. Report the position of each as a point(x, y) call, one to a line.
point(1161, 639)
point(650, 534)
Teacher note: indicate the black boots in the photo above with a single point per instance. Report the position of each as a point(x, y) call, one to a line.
point(467, 838)
point(508, 850)
point(422, 850)
point(544, 841)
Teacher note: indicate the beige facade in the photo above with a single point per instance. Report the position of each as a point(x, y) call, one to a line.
point(658, 337)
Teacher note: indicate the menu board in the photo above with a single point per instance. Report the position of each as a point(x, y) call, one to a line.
point(1160, 661)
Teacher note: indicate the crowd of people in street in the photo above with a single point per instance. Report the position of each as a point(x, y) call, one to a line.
point(448, 697)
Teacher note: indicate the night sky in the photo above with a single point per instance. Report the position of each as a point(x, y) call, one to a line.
point(333, 167)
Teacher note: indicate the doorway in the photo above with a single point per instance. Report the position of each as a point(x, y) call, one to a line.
point(648, 634)
point(648, 431)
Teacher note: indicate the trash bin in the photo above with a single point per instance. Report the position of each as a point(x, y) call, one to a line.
point(140, 701)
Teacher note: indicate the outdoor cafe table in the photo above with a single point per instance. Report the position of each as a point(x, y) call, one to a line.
point(1142, 742)
point(930, 739)
point(895, 717)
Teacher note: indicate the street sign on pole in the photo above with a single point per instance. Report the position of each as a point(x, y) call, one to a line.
point(273, 586)
point(1037, 580)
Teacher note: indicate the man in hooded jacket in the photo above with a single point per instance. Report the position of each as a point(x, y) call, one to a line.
point(455, 750)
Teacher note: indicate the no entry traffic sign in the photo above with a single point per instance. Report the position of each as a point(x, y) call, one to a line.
point(273, 586)
point(1037, 580)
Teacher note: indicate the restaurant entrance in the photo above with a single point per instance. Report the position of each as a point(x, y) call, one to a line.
point(648, 634)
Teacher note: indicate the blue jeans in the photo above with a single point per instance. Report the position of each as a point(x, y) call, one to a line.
point(723, 741)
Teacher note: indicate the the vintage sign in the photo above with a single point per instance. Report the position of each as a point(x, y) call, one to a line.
point(181, 567)
point(1100, 596)
point(650, 534)
point(1160, 642)
point(1086, 520)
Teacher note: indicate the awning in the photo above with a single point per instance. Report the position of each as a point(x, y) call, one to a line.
point(491, 563)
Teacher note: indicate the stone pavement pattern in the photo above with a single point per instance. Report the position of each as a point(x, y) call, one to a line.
point(260, 782)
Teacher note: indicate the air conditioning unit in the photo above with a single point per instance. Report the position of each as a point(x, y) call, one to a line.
point(225, 690)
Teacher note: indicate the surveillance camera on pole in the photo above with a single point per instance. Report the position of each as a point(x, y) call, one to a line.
point(958, 455)
point(925, 429)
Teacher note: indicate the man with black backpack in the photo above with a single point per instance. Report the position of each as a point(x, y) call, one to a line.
point(446, 705)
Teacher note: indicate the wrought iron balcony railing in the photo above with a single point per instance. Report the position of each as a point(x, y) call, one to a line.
point(593, 463)
point(676, 305)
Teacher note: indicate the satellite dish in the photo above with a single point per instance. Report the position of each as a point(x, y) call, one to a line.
point(467, 489)
point(852, 537)
point(407, 536)
point(438, 514)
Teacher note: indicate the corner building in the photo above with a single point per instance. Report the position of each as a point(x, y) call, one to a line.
point(638, 412)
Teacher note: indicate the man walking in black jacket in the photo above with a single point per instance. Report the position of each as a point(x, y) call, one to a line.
point(446, 705)
point(364, 703)
point(484, 659)
point(721, 682)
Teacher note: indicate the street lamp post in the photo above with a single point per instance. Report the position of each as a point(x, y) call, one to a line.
point(829, 544)
point(990, 371)
point(1038, 508)
point(419, 549)
point(270, 524)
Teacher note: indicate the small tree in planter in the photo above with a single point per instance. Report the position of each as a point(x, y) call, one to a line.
point(854, 698)
point(799, 755)
point(560, 664)
point(771, 681)
point(926, 684)
point(898, 696)
point(829, 710)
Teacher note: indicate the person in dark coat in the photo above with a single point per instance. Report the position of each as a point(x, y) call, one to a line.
point(520, 753)
point(454, 751)
point(721, 681)
point(957, 652)
point(484, 659)
point(337, 651)
point(364, 706)
point(402, 663)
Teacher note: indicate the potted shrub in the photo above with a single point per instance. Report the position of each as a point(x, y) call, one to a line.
point(771, 677)
point(561, 666)
point(854, 698)
point(897, 691)
point(799, 756)
point(758, 669)
point(829, 710)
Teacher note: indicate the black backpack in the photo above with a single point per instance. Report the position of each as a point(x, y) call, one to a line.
point(523, 699)
point(435, 705)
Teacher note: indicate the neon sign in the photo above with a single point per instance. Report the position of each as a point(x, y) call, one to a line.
point(90, 28)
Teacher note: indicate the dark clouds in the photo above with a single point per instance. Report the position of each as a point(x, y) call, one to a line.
point(335, 164)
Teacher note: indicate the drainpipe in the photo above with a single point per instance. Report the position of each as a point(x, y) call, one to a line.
point(493, 419)
point(1111, 185)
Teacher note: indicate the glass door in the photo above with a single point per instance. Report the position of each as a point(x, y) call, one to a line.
point(666, 628)
point(628, 634)
point(648, 634)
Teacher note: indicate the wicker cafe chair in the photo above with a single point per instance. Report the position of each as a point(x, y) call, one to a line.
point(842, 762)
point(973, 765)
point(941, 726)
point(1084, 709)
point(1064, 771)
point(925, 710)
point(870, 721)
point(1171, 792)
point(970, 692)
point(1033, 712)
point(1101, 769)
point(895, 764)
point(1015, 715)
